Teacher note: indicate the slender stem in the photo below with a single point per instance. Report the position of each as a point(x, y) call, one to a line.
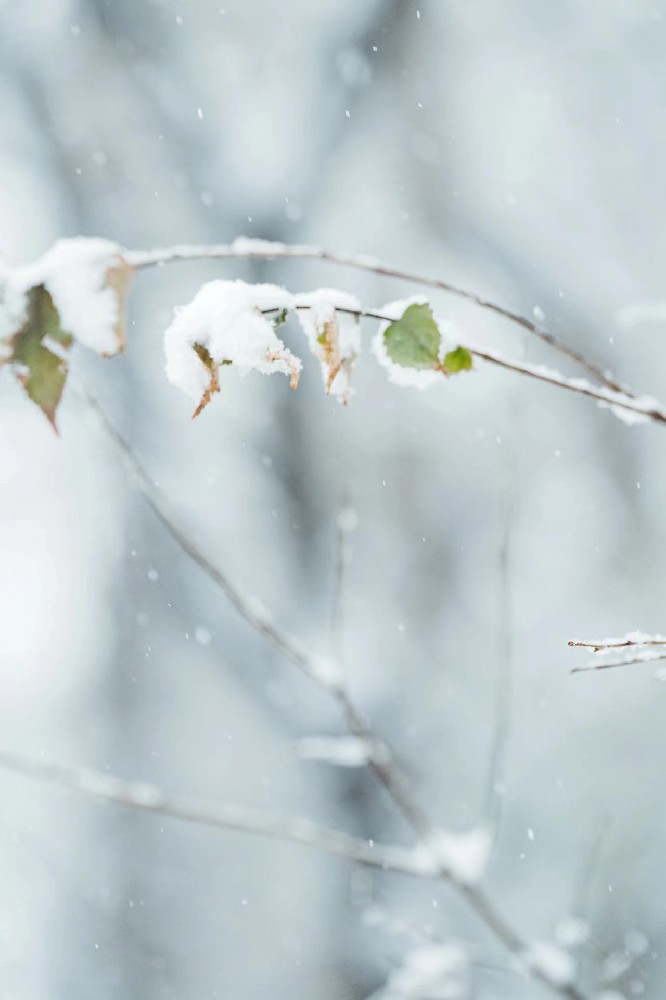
point(628, 662)
point(263, 249)
point(322, 671)
point(148, 798)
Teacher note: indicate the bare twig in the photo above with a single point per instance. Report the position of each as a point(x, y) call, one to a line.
point(324, 672)
point(149, 798)
point(327, 676)
point(263, 249)
point(630, 661)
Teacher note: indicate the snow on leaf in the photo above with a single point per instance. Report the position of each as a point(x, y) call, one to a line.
point(36, 352)
point(225, 324)
point(343, 751)
point(76, 291)
point(334, 336)
point(87, 280)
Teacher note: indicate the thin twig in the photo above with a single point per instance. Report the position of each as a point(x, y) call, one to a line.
point(654, 640)
point(381, 760)
point(263, 249)
point(323, 672)
point(149, 798)
point(628, 662)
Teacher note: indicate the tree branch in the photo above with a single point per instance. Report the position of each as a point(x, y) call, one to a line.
point(263, 249)
point(630, 661)
point(322, 671)
point(149, 798)
point(632, 639)
point(644, 407)
point(327, 676)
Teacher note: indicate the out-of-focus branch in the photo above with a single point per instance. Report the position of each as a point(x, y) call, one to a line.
point(324, 672)
point(149, 798)
point(263, 249)
point(327, 676)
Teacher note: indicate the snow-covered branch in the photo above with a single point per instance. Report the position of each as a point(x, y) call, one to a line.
point(47, 306)
point(268, 250)
point(626, 405)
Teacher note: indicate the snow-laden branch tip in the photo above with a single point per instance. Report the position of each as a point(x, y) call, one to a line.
point(635, 638)
point(265, 249)
point(606, 651)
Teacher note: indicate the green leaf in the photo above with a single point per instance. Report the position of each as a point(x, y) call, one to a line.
point(280, 318)
point(43, 373)
point(458, 360)
point(414, 340)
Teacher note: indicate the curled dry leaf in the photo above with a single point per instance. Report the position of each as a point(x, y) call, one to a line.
point(117, 279)
point(334, 336)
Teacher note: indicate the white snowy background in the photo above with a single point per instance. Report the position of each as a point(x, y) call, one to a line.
point(516, 148)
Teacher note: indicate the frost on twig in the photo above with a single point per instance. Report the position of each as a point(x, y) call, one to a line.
point(224, 325)
point(334, 336)
point(75, 292)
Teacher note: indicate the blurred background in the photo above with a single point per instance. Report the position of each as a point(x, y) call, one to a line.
point(515, 148)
